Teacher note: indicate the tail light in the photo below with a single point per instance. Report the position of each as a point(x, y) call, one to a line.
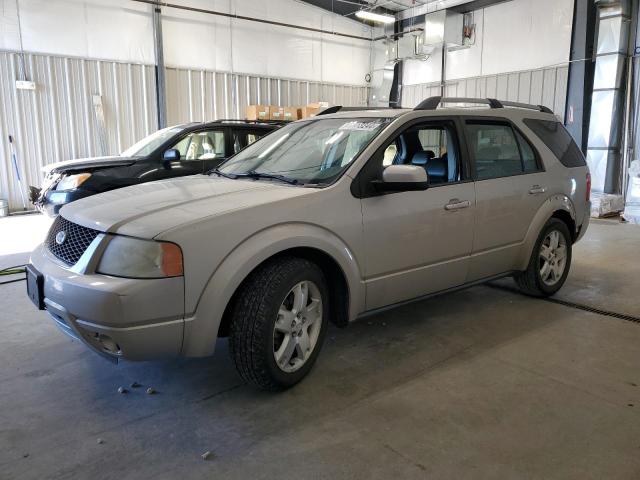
point(588, 186)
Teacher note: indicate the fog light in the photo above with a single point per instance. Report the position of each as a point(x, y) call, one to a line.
point(108, 344)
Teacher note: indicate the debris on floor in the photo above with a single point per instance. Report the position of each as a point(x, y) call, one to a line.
point(151, 391)
point(100, 441)
point(135, 385)
point(122, 390)
point(207, 455)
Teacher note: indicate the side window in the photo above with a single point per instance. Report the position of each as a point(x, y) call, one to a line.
point(239, 141)
point(242, 139)
point(390, 154)
point(432, 146)
point(558, 140)
point(528, 156)
point(206, 145)
point(495, 150)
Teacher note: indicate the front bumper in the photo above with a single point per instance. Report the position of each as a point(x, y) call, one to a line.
point(116, 317)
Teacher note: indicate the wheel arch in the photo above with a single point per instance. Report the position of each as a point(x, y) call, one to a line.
point(557, 206)
point(332, 254)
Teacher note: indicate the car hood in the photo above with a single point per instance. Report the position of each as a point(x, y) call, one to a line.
point(148, 209)
point(85, 164)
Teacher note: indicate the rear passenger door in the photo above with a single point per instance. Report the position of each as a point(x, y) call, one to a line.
point(510, 189)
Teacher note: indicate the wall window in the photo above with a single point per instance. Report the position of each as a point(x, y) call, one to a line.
point(498, 151)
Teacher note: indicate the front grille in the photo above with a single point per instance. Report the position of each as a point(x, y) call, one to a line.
point(76, 240)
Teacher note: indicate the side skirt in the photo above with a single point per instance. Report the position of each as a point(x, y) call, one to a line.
point(375, 311)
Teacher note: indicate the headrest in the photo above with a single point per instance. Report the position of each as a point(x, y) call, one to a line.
point(421, 158)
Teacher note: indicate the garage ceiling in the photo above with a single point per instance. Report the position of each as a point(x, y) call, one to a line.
point(348, 8)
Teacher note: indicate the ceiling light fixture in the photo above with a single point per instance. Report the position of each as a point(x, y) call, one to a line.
point(374, 17)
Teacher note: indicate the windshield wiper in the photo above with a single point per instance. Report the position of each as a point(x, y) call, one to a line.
point(220, 173)
point(254, 174)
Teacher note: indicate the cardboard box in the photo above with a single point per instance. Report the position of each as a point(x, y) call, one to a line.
point(257, 112)
point(291, 114)
point(276, 113)
point(312, 109)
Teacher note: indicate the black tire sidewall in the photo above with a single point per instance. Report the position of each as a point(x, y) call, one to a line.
point(561, 227)
point(306, 272)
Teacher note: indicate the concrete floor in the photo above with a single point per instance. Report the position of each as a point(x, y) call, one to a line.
point(482, 383)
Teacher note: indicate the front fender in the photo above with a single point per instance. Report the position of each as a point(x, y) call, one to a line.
point(553, 204)
point(201, 328)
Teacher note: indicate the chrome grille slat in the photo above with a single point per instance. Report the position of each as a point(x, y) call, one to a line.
point(77, 240)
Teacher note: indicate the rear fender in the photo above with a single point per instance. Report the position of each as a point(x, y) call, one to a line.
point(544, 213)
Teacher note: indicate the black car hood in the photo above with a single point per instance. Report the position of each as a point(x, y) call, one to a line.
point(88, 164)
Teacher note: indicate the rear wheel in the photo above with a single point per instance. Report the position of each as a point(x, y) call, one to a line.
point(279, 322)
point(549, 263)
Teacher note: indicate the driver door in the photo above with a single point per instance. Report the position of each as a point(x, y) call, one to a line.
point(418, 242)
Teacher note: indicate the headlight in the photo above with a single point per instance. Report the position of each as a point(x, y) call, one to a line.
point(135, 258)
point(69, 182)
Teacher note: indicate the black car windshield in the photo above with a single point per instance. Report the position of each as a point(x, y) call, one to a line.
point(147, 145)
point(316, 151)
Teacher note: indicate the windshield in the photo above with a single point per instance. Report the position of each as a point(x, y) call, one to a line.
point(317, 151)
point(148, 144)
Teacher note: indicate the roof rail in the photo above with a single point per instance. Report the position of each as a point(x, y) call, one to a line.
point(340, 108)
point(252, 122)
point(432, 103)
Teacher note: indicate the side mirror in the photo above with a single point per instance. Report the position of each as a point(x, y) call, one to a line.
point(171, 155)
point(402, 178)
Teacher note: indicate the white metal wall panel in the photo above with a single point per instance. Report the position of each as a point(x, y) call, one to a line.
point(546, 87)
point(197, 95)
point(58, 120)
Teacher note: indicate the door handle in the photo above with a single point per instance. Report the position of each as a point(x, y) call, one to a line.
point(456, 204)
point(537, 189)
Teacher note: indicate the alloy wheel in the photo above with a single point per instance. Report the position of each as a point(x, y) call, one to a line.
point(297, 326)
point(552, 257)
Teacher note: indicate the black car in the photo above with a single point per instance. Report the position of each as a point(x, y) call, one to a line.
point(177, 151)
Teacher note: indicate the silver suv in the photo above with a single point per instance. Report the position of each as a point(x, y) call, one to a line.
point(321, 221)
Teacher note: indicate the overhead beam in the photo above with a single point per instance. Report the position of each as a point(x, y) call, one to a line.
point(207, 11)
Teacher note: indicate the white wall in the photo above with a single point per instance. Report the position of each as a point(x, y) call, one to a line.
point(513, 36)
point(205, 41)
point(115, 30)
point(122, 30)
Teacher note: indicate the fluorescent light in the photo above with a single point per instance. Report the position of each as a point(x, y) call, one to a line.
point(375, 17)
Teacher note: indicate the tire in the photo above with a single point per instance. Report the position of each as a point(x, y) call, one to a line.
point(532, 281)
point(265, 310)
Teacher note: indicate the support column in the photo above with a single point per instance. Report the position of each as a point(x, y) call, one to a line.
point(581, 70)
point(160, 73)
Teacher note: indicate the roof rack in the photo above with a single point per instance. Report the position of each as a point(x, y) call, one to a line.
point(340, 108)
point(432, 103)
point(240, 120)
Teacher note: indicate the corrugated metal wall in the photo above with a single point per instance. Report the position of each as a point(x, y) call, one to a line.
point(60, 121)
point(195, 95)
point(546, 87)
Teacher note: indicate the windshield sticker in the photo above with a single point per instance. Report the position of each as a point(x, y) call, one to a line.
point(364, 126)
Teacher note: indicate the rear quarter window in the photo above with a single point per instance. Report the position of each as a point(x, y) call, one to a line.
point(557, 139)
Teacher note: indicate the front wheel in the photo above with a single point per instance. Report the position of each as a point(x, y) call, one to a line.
point(549, 263)
point(279, 323)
